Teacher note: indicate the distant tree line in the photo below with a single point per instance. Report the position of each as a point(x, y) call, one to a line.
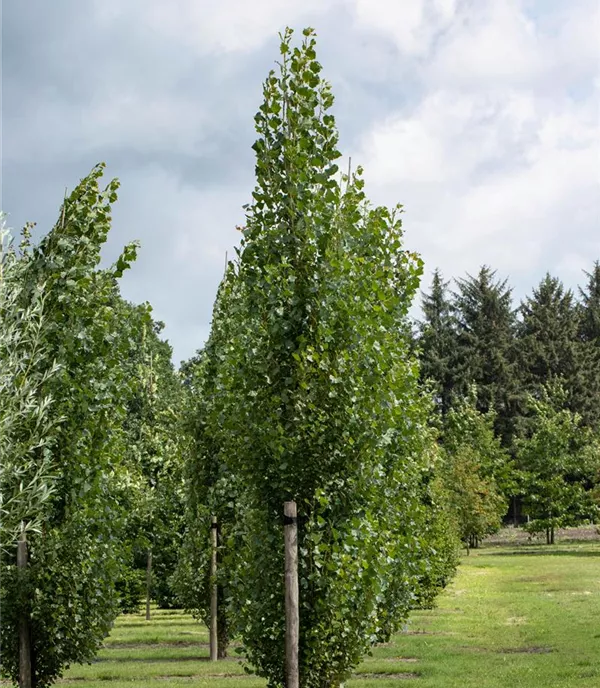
point(534, 368)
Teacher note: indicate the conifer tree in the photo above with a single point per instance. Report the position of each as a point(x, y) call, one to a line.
point(588, 390)
point(437, 342)
point(589, 322)
point(548, 349)
point(485, 346)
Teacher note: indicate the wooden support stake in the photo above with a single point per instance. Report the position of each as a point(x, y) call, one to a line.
point(24, 630)
point(148, 583)
point(292, 617)
point(214, 639)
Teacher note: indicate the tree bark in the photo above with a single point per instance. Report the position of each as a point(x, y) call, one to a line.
point(25, 673)
point(214, 593)
point(222, 627)
point(148, 583)
point(292, 617)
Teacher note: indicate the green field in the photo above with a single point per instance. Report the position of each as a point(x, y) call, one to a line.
point(516, 615)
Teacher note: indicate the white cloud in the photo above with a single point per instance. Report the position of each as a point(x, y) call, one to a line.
point(496, 163)
point(208, 27)
point(491, 44)
point(410, 24)
point(494, 45)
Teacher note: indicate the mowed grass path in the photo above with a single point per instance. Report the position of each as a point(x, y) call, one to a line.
point(515, 616)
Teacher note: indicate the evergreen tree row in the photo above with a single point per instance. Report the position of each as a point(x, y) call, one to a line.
point(524, 364)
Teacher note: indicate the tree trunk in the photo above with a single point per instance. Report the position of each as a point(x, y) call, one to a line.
point(148, 583)
point(222, 628)
point(25, 673)
point(214, 593)
point(547, 536)
point(292, 618)
point(551, 535)
point(222, 648)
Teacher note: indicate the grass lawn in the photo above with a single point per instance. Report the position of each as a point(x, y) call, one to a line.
point(517, 614)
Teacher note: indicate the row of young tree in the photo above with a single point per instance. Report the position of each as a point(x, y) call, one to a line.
point(114, 466)
point(534, 372)
point(306, 391)
point(90, 451)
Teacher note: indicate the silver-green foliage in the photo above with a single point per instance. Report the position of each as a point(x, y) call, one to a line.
point(70, 352)
point(26, 425)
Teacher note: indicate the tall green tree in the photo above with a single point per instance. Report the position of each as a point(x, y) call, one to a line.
point(69, 588)
point(156, 445)
point(212, 489)
point(589, 322)
point(548, 345)
point(319, 396)
point(438, 342)
point(485, 346)
point(588, 388)
point(27, 425)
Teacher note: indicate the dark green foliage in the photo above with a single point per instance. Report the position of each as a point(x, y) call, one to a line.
point(130, 587)
point(318, 399)
point(212, 489)
point(74, 560)
point(438, 342)
point(485, 353)
point(476, 338)
point(589, 322)
point(548, 340)
point(588, 389)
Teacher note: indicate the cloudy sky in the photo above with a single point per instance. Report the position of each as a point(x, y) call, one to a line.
point(481, 116)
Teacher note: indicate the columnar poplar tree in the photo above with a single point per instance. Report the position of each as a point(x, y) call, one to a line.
point(156, 444)
point(69, 585)
point(212, 489)
point(318, 393)
point(27, 426)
